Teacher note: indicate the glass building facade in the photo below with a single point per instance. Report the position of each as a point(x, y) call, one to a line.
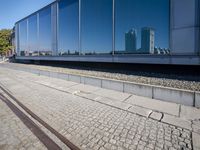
point(96, 27)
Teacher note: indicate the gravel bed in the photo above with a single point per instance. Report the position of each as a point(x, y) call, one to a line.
point(174, 81)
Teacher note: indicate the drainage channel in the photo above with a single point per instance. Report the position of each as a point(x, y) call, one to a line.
point(35, 129)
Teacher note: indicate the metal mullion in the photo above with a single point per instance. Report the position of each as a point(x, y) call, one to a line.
point(79, 29)
point(52, 30)
point(57, 28)
point(38, 30)
point(19, 39)
point(113, 26)
point(27, 35)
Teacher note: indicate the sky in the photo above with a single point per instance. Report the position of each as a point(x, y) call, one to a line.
point(13, 10)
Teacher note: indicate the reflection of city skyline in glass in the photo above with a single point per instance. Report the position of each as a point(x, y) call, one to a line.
point(138, 14)
point(96, 30)
point(147, 42)
point(131, 40)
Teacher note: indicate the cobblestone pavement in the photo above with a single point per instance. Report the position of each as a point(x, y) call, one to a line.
point(87, 124)
point(14, 134)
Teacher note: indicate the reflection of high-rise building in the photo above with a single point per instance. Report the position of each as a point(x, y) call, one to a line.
point(131, 40)
point(148, 40)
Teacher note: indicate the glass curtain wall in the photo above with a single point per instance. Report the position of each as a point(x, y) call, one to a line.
point(32, 36)
point(96, 27)
point(68, 27)
point(23, 44)
point(45, 34)
point(17, 39)
point(142, 26)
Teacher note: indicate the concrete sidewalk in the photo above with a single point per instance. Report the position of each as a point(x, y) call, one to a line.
point(169, 114)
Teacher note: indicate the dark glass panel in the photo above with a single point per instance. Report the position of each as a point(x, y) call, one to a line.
point(45, 34)
point(23, 47)
point(142, 26)
point(96, 27)
point(32, 36)
point(68, 31)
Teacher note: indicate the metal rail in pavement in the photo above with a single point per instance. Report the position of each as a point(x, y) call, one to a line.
point(35, 129)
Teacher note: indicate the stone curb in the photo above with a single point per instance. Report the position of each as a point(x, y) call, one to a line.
point(196, 141)
point(184, 97)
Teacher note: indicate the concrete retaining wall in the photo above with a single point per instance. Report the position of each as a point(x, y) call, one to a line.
point(197, 99)
point(174, 95)
point(74, 78)
point(138, 89)
point(185, 97)
point(112, 85)
point(92, 81)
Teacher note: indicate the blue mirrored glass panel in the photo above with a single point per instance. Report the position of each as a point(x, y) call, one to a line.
point(45, 34)
point(32, 36)
point(68, 30)
point(17, 39)
point(96, 27)
point(23, 47)
point(142, 26)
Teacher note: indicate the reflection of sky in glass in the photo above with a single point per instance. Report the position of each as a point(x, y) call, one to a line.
point(68, 26)
point(142, 13)
point(96, 26)
point(23, 35)
point(32, 33)
point(45, 29)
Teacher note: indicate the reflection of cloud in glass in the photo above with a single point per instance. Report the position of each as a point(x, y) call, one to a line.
point(139, 14)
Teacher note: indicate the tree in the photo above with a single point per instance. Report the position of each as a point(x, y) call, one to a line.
point(5, 38)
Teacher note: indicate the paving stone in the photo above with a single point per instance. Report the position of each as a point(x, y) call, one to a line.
point(115, 95)
point(85, 88)
point(104, 100)
point(196, 128)
point(10, 131)
point(177, 121)
point(156, 115)
point(121, 105)
point(189, 113)
point(165, 107)
point(90, 124)
point(90, 96)
point(139, 110)
point(196, 141)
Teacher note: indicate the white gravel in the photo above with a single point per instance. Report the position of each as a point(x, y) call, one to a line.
point(174, 81)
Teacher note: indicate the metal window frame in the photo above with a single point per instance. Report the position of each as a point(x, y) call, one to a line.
point(38, 30)
point(113, 28)
point(26, 49)
point(54, 18)
point(79, 29)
